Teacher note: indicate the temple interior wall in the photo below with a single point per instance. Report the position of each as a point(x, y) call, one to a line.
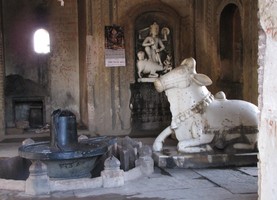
point(74, 76)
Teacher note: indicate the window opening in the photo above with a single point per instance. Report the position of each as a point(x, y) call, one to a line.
point(41, 41)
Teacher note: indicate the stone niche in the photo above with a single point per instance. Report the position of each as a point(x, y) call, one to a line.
point(150, 109)
point(24, 103)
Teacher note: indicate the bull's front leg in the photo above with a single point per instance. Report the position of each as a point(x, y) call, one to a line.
point(249, 144)
point(196, 145)
point(158, 143)
point(198, 140)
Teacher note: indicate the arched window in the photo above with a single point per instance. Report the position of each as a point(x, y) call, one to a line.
point(41, 41)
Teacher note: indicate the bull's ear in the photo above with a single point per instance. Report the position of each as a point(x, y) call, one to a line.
point(201, 79)
point(183, 62)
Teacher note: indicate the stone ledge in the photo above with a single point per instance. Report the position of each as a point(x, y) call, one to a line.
point(172, 159)
point(17, 185)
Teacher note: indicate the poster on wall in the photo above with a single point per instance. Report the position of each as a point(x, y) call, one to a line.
point(114, 46)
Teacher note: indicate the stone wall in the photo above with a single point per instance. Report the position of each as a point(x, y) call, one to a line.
point(64, 64)
point(2, 78)
point(108, 89)
point(100, 96)
point(267, 100)
point(207, 43)
point(197, 24)
point(20, 21)
point(18, 58)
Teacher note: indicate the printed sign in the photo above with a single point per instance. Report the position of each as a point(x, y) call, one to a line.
point(114, 46)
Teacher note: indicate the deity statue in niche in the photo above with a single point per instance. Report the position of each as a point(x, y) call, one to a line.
point(153, 44)
point(154, 54)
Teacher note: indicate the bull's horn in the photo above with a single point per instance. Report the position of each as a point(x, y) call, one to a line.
point(201, 79)
point(189, 61)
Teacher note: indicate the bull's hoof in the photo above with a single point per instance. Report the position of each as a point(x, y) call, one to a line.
point(155, 75)
point(239, 146)
point(157, 146)
point(191, 150)
point(205, 148)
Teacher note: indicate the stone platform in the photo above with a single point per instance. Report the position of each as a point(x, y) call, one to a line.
point(170, 158)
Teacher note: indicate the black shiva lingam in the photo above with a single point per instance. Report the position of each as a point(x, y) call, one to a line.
point(64, 156)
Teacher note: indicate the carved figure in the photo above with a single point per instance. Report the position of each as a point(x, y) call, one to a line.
point(202, 122)
point(165, 32)
point(153, 44)
point(147, 66)
point(167, 64)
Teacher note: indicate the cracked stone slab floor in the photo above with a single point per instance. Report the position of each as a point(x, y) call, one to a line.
point(168, 184)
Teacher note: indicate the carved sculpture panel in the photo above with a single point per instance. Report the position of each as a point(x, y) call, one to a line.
point(154, 51)
point(154, 56)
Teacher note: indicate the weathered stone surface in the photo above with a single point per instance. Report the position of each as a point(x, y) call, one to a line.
point(245, 184)
point(251, 171)
point(268, 119)
point(76, 184)
point(172, 184)
point(15, 185)
point(174, 159)
point(15, 168)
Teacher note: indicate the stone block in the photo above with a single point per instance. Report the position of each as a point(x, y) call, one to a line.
point(146, 165)
point(124, 156)
point(128, 152)
point(112, 178)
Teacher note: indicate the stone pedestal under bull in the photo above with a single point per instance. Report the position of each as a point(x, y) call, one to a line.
point(202, 122)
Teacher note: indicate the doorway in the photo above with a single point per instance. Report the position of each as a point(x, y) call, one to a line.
point(231, 54)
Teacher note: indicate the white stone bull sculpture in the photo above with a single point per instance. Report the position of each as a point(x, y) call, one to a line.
point(147, 66)
point(200, 121)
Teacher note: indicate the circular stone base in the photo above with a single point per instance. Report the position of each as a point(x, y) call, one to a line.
point(74, 161)
point(74, 168)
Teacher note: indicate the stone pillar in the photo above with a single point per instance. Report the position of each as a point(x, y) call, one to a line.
point(112, 176)
point(267, 140)
point(38, 182)
point(145, 161)
point(2, 97)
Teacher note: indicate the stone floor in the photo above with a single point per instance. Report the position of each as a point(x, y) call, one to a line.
point(191, 184)
point(177, 184)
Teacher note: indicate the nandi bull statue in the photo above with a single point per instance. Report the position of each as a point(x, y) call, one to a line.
point(202, 122)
